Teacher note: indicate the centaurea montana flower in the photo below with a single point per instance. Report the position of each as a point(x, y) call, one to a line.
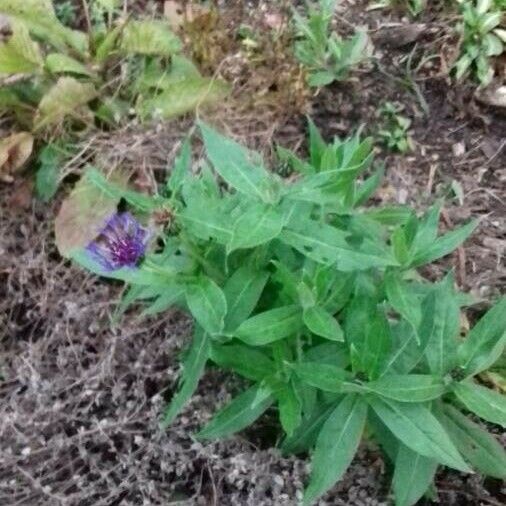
point(120, 244)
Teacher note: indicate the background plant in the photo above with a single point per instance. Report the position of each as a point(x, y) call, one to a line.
point(481, 38)
point(395, 129)
point(327, 56)
point(59, 80)
point(414, 7)
point(311, 297)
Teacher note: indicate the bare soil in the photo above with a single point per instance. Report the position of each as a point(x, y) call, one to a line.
point(80, 397)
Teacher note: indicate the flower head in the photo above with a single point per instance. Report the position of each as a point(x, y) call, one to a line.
point(121, 243)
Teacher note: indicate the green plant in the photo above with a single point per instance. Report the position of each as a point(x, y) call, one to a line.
point(64, 80)
point(327, 56)
point(311, 297)
point(395, 130)
point(481, 39)
point(414, 7)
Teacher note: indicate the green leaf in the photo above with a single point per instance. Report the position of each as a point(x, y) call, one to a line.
point(270, 326)
point(240, 168)
point(39, 17)
point(66, 98)
point(408, 387)
point(440, 326)
point(323, 376)
point(289, 409)
point(58, 63)
point(406, 353)
point(48, 173)
point(426, 232)
point(443, 245)
point(367, 188)
point(304, 437)
point(486, 403)
point(257, 225)
point(170, 295)
point(389, 215)
point(19, 55)
point(402, 299)
point(328, 245)
point(182, 97)
point(486, 340)
point(316, 144)
point(368, 332)
point(419, 429)
point(242, 291)
point(322, 323)
point(336, 446)
point(204, 219)
point(193, 367)
point(238, 414)
point(246, 361)
point(207, 304)
point(413, 475)
point(182, 167)
point(477, 446)
point(149, 37)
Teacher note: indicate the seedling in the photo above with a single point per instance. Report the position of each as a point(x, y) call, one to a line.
point(395, 131)
point(327, 56)
point(481, 39)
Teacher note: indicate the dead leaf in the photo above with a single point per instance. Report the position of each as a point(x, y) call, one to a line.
point(14, 152)
point(176, 13)
point(82, 216)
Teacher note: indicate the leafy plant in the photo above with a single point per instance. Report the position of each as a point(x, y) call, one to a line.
point(395, 129)
point(481, 39)
point(67, 80)
point(311, 297)
point(414, 7)
point(327, 56)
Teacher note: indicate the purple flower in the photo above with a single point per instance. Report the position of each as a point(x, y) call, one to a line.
point(121, 243)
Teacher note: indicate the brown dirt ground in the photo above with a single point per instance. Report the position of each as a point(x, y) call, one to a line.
point(79, 399)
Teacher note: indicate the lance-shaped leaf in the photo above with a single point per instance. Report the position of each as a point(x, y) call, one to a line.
point(257, 225)
point(270, 326)
point(368, 333)
point(242, 291)
point(328, 245)
point(322, 323)
point(440, 326)
point(207, 304)
point(306, 433)
point(336, 446)
point(323, 376)
point(403, 299)
point(418, 429)
point(477, 446)
point(486, 403)
point(248, 362)
point(443, 245)
point(193, 367)
point(408, 387)
point(240, 168)
point(413, 475)
point(289, 408)
point(238, 414)
point(486, 340)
